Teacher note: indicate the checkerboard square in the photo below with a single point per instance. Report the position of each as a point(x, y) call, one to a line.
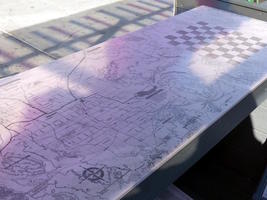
point(241, 46)
point(223, 40)
point(238, 41)
point(211, 37)
point(192, 27)
point(199, 37)
point(192, 49)
point(244, 56)
point(227, 55)
point(191, 35)
point(247, 44)
point(196, 32)
point(182, 32)
point(218, 43)
point(237, 49)
point(238, 59)
point(262, 44)
point(223, 33)
point(194, 40)
point(237, 33)
point(208, 49)
point(171, 37)
point(255, 46)
point(227, 46)
point(219, 53)
point(188, 43)
point(202, 42)
point(219, 36)
point(206, 28)
point(222, 49)
point(200, 46)
point(215, 31)
point(181, 40)
point(248, 52)
point(174, 43)
point(242, 38)
point(185, 37)
point(233, 43)
point(202, 52)
point(230, 38)
point(207, 40)
point(252, 41)
point(211, 55)
point(214, 46)
point(202, 23)
point(219, 28)
point(210, 32)
point(232, 62)
point(255, 39)
point(223, 59)
point(251, 49)
point(232, 35)
point(235, 53)
point(202, 31)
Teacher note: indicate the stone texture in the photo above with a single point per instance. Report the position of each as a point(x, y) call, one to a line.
point(96, 123)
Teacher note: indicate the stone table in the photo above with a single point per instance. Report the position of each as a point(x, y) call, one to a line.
point(127, 117)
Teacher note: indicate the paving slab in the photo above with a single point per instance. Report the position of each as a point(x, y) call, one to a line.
point(17, 14)
point(52, 39)
point(67, 35)
point(16, 57)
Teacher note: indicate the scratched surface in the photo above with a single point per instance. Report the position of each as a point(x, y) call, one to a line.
point(96, 123)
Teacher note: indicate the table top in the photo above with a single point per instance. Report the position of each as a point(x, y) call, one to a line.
point(95, 124)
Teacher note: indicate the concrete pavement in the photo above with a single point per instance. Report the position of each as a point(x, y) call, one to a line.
point(37, 39)
point(17, 14)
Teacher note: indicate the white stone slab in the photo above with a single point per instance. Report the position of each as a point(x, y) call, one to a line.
point(95, 124)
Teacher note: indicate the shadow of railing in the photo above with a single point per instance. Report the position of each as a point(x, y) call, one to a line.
point(61, 37)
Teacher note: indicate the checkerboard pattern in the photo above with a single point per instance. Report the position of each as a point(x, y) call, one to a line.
point(216, 42)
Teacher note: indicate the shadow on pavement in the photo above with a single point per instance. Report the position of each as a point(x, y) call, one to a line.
point(32, 46)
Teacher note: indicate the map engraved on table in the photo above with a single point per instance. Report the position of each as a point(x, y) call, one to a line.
point(96, 123)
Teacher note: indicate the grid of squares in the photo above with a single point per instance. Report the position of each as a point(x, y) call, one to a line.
point(216, 42)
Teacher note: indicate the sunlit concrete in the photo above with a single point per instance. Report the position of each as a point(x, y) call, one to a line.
point(16, 14)
point(16, 57)
point(63, 36)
